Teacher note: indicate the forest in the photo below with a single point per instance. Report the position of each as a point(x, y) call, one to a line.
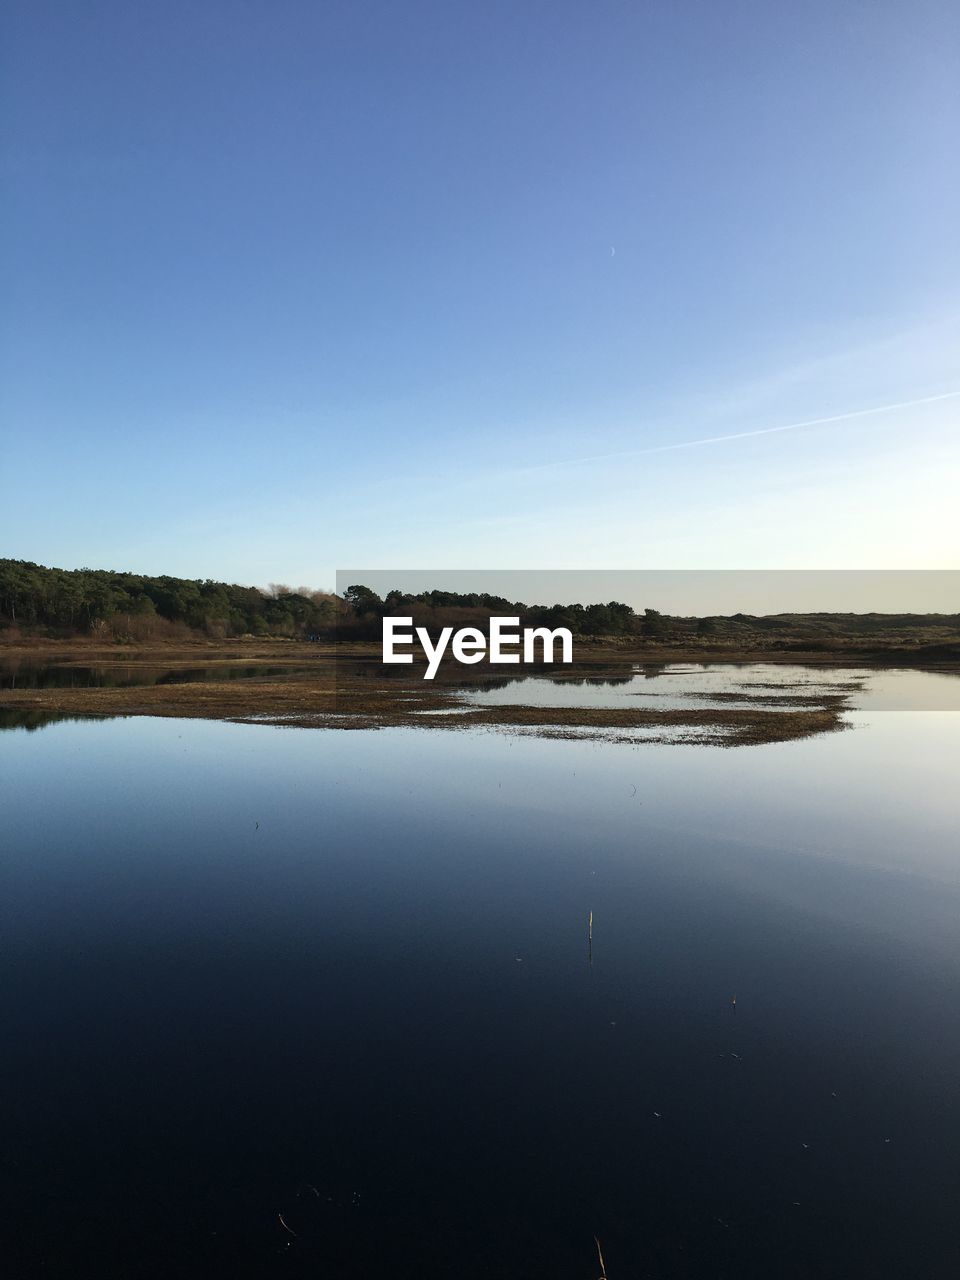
point(120, 607)
point(135, 607)
point(60, 603)
point(437, 609)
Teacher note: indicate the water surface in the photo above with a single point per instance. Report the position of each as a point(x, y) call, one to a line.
point(344, 978)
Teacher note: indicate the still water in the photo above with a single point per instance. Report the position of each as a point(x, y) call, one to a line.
point(674, 686)
point(125, 675)
point(296, 1002)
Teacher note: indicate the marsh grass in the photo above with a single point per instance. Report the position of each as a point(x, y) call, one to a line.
point(322, 686)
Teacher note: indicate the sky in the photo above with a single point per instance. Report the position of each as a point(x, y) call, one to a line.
point(685, 592)
point(291, 286)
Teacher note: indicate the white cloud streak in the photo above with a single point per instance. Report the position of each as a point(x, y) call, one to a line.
point(744, 435)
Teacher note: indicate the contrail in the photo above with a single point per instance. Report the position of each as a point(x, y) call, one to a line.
point(743, 435)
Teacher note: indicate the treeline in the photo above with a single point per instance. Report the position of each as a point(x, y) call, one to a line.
point(437, 609)
point(133, 606)
point(61, 603)
point(936, 636)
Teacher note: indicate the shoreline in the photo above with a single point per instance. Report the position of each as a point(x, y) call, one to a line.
point(310, 685)
point(944, 656)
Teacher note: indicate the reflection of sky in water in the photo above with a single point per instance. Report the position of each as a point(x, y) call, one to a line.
point(762, 686)
point(242, 959)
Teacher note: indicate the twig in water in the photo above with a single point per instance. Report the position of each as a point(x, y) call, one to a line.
point(603, 1269)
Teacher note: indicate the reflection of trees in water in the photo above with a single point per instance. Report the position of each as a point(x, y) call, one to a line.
point(604, 678)
point(457, 676)
point(31, 676)
point(35, 677)
point(33, 720)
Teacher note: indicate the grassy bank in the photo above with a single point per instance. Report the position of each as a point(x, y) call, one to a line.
point(346, 687)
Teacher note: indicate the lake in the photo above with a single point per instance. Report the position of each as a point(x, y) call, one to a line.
point(285, 1001)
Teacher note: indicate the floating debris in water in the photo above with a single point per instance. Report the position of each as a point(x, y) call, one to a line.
point(603, 1269)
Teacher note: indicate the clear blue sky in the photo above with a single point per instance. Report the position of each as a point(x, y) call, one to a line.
point(288, 286)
